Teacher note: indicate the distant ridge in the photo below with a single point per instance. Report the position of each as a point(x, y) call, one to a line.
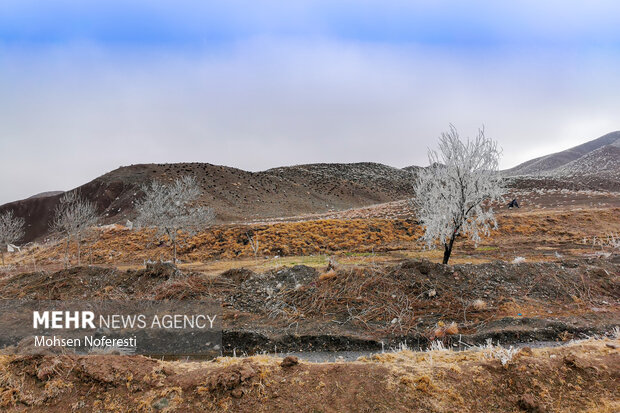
point(548, 163)
point(45, 194)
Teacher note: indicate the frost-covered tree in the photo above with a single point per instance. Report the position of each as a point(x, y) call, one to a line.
point(73, 217)
point(11, 230)
point(172, 208)
point(453, 194)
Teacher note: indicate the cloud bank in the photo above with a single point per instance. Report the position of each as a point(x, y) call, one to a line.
point(295, 85)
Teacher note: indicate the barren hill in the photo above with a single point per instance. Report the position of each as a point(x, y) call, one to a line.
point(556, 160)
point(234, 194)
point(598, 166)
point(46, 194)
point(593, 165)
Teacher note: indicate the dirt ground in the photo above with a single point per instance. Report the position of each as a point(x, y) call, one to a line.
point(579, 377)
point(354, 307)
point(350, 280)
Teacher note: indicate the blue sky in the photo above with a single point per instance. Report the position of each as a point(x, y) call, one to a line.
point(472, 24)
point(87, 86)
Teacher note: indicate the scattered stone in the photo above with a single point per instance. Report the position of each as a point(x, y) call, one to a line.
point(289, 361)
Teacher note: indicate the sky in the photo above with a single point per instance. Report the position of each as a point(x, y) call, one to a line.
point(87, 86)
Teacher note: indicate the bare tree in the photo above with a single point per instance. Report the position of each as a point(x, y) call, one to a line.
point(73, 217)
point(11, 231)
point(452, 195)
point(172, 208)
point(253, 240)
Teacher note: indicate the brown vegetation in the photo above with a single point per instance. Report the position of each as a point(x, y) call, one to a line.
point(578, 377)
point(531, 234)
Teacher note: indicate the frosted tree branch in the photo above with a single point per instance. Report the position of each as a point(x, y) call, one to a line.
point(11, 230)
point(453, 193)
point(73, 217)
point(172, 208)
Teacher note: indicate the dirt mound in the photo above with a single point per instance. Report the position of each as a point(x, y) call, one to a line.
point(578, 377)
point(257, 293)
point(88, 282)
point(237, 275)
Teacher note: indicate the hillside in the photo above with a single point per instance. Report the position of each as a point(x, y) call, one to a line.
point(556, 160)
point(603, 162)
point(234, 194)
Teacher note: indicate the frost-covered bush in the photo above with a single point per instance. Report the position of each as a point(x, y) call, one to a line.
point(497, 352)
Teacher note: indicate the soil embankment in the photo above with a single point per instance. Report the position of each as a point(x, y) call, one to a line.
point(367, 307)
point(574, 378)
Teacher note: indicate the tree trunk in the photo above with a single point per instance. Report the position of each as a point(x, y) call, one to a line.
point(174, 246)
point(448, 250)
point(78, 250)
point(67, 253)
point(2, 253)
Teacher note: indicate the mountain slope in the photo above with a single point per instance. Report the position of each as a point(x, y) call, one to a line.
point(556, 160)
point(234, 194)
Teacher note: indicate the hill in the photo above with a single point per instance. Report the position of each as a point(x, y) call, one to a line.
point(594, 165)
point(234, 194)
point(556, 160)
point(46, 194)
point(241, 196)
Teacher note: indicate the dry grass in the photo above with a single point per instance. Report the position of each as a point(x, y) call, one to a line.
point(580, 376)
point(535, 235)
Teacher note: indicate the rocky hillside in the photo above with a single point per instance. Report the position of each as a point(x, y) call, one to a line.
point(603, 162)
point(594, 165)
point(548, 163)
point(234, 194)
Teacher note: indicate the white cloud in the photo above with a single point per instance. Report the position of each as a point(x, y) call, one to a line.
point(70, 113)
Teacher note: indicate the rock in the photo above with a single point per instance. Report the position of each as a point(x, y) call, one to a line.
point(237, 393)
point(529, 404)
point(424, 267)
point(570, 264)
point(231, 377)
point(237, 275)
point(160, 404)
point(161, 269)
point(289, 361)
